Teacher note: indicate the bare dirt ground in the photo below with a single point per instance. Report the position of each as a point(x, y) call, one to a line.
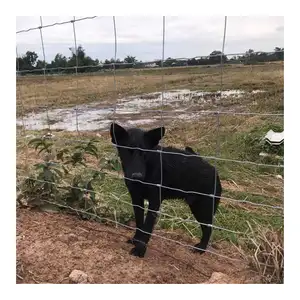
point(51, 245)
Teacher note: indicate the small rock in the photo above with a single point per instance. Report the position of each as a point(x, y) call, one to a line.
point(78, 276)
point(72, 237)
point(67, 238)
point(63, 238)
point(218, 277)
point(279, 176)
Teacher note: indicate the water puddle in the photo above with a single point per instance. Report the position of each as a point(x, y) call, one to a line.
point(129, 111)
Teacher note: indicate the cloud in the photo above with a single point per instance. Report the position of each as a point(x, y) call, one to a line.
point(142, 35)
point(280, 28)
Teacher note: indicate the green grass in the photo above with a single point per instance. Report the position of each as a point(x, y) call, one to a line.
point(252, 183)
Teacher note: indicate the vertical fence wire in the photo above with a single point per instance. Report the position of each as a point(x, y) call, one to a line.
point(19, 93)
point(76, 73)
point(218, 120)
point(115, 82)
point(116, 96)
point(114, 73)
point(161, 110)
point(44, 71)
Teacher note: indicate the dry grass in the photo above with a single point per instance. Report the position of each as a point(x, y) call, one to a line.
point(34, 92)
point(263, 250)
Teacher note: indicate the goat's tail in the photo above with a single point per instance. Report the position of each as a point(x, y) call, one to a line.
point(190, 150)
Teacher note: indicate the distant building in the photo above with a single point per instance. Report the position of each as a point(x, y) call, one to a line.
point(153, 65)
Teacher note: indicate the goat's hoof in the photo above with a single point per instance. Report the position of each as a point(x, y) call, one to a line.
point(198, 248)
point(130, 241)
point(139, 249)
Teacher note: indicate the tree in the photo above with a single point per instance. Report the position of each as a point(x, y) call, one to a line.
point(279, 53)
point(27, 61)
point(59, 61)
point(30, 58)
point(192, 62)
point(130, 59)
point(158, 63)
point(79, 57)
point(249, 52)
point(216, 57)
point(40, 64)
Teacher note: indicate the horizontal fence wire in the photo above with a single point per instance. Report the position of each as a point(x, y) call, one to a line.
point(148, 62)
point(239, 201)
point(246, 55)
point(135, 205)
point(134, 228)
point(205, 112)
point(202, 156)
point(75, 140)
point(56, 24)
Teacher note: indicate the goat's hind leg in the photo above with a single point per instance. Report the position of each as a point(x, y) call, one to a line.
point(202, 209)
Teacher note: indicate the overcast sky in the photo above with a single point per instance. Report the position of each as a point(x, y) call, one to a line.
point(142, 36)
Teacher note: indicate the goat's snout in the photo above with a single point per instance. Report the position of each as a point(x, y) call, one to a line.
point(137, 175)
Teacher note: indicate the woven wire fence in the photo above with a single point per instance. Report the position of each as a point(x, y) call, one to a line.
point(216, 157)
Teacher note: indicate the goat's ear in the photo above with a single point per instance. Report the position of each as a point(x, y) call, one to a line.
point(117, 133)
point(153, 136)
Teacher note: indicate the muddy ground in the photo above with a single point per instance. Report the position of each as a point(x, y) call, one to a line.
point(131, 111)
point(51, 245)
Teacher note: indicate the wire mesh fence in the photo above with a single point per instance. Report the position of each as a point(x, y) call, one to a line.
point(247, 171)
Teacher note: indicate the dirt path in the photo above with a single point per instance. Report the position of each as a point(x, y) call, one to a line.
point(51, 245)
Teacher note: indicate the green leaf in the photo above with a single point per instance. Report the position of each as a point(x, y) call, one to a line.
point(92, 147)
point(35, 140)
point(78, 147)
point(39, 166)
point(92, 152)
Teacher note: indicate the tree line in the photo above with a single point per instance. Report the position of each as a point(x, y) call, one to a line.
point(30, 62)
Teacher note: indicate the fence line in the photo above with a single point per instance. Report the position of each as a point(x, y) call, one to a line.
point(179, 190)
point(147, 62)
point(162, 105)
point(76, 72)
point(160, 151)
point(55, 24)
point(218, 121)
point(136, 205)
point(181, 154)
point(19, 94)
point(44, 69)
point(201, 156)
point(208, 112)
point(133, 228)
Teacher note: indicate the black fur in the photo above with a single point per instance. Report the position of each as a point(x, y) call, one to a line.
point(189, 149)
point(179, 172)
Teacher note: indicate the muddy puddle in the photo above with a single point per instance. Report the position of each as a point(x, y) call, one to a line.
point(130, 111)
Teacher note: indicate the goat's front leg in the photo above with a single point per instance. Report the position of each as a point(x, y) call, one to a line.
point(144, 236)
point(138, 208)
